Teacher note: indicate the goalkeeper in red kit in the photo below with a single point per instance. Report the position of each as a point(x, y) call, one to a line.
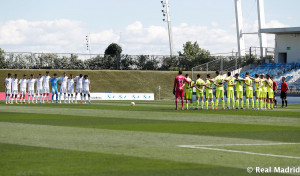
point(178, 90)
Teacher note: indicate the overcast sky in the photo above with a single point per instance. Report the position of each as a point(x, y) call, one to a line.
point(61, 25)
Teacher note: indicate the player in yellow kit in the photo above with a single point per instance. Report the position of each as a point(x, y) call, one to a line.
point(219, 80)
point(188, 90)
point(209, 92)
point(239, 91)
point(258, 90)
point(230, 90)
point(249, 90)
point(270, 92)
point(199, 91)
point(263, 83)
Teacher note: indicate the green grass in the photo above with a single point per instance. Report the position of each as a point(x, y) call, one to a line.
point(113, 138)
point(116, 81)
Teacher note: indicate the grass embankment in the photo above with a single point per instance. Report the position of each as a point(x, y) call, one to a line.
point(116, 81)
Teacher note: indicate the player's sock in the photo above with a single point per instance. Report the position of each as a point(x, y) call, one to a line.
point(56, 98)
point(282, 103)
point(187, 105)
point(75, 98)
point(269, 105)
point(223, 103)
point(217, 102)
point(65, 98)
point(182, 103)
point(212, 104)
point(206, 104)
point(252, 103)
point(72, 99)
point(202, 104)
point(16, 100)
point(242, 104)
point(257, 103)
point(237, 103)
point(272, 105)
point(197, 103)
point(233, 102)
point(228, 102)
point(285, 103)
point(176, 102)
point(81, 98)
point(265, 105)
point(192, 105)
point(89, 99)
point(52, 97)
point(247, 103)
point(6, 99)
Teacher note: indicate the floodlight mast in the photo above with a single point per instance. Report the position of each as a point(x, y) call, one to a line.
point(239, 28)
point(261, 24)
point(88, 44)
point(168, 20)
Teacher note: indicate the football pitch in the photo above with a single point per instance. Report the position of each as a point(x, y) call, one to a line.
point(149, 139)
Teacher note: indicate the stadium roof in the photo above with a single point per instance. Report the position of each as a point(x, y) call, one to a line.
point(290, 30)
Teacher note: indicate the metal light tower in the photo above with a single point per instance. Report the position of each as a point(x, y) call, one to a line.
point(166, 13)
point(239, 27)
point(88, 44)
point(261, 24)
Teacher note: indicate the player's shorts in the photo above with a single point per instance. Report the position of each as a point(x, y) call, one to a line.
point(189, 94)
point(23, 92)
point(39, 91)
point(209, 95)
point(54, 90)
point(7, 91)
point(79, 90)
point(199, 94)
point(63, 90)
point(270, 95)
point(46, 90)
point(86, 92)
point(230, 94)
point(14, 92)
point(283, 95)
point(263, 94)
point(179, 93)
point(220, 93)
point(258, 94)
point(249, 93)
point(70, 91)
point(239, 94)
point(30, 92)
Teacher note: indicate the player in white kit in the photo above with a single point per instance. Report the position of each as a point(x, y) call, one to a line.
point(46, 89)
point(39, 88)
point(14, 87)
point(63, 87)
point(79, 88)
point(23, 86)
point(71, 88)
point(86, 88)
point(7, 85)
point(31, 81)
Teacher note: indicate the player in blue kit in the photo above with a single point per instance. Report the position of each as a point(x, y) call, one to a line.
point(54, 80)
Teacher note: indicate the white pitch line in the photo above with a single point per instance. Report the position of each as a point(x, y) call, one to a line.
point(218, 145)
point(244, 152)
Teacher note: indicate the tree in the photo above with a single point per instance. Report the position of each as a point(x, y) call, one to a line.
point(114, 51)
point(192, 55)
point(2, 59)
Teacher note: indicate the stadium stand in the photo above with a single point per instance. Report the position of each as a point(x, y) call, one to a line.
point(289, 70)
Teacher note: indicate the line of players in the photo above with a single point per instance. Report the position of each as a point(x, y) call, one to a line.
point(264, 91)
point(67, 84)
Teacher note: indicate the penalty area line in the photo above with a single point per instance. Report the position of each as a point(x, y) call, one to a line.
point(238, 151)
